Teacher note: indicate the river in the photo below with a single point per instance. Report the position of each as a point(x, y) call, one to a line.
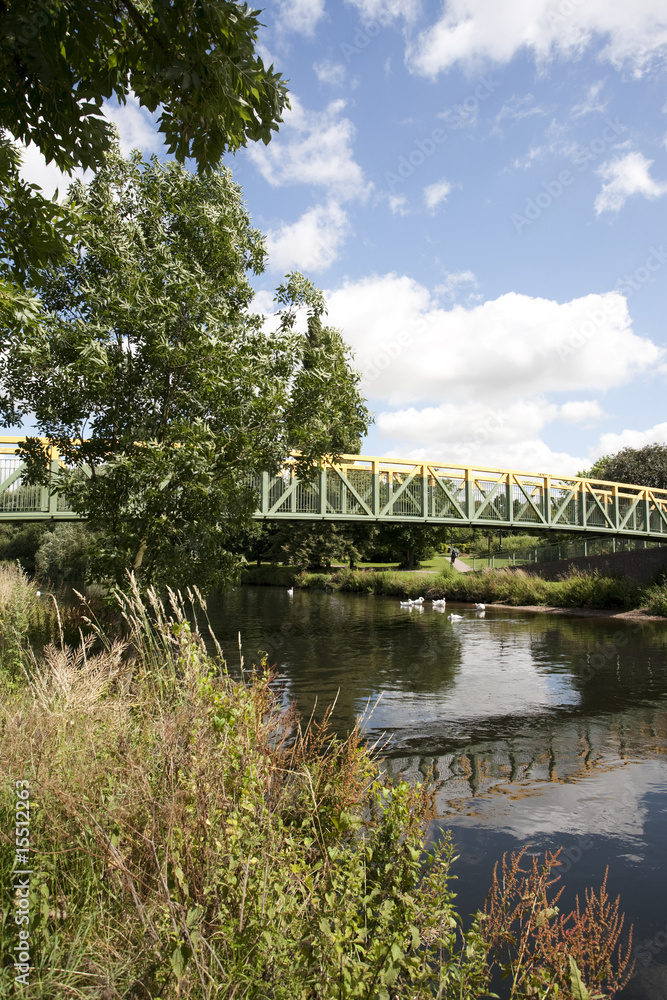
point(542, 730)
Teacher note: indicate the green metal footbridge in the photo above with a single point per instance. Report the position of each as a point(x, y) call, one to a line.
point(364, 488)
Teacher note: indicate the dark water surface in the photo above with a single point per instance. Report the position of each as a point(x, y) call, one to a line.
point(542, 730)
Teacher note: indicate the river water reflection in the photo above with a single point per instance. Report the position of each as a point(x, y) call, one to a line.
point(541, 730)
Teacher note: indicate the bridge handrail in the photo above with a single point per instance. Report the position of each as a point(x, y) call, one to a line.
point(9, 445)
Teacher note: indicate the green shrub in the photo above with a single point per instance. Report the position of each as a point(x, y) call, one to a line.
point(590, 590)
point(656, 600)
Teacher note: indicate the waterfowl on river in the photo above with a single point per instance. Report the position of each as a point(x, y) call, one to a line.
point(455, 618)
point(480, 607)
point(291, 591)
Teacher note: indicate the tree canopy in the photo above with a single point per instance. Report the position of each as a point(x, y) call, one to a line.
point(645, 466)
point(194, 62)
point(160, 388)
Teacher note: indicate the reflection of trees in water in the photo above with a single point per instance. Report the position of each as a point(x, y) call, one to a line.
point(610, 663)
point(359, 651)
point(560, 750)
point(354, 647)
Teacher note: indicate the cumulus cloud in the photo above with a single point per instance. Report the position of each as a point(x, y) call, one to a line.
point(623, 177)
point(584, 411)
point(436, 194)
point(314, 147)
point(511, 347)
point(427, 368)
point(301, 16)
point(472, 32)
point(310, 244)
point(609, 444)
point(502, 435)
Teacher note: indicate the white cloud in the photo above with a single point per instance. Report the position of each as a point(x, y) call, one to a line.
point(591, 103)
point(502, 435)
point(518, 108)
point(508, 348)
point(473, 32)
point(386, 11)
point(427, 369)
point(584, 411)
point(301, 16)
point(310, 244)
point(609, 444)
point(398, 204)
point(331, 73)
point(625, 176)
point(313, 147)
point(35, 170)
point(451, 281)
point(137, 127)
point(436, 194)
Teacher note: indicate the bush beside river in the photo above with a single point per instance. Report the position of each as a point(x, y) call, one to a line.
point(489, 586)
point(188, 837)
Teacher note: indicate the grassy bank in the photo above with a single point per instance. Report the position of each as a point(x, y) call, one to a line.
point(500, 586)
point(188, 838)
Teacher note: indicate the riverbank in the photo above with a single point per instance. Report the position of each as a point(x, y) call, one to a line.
point(175, 821)
point(502, 587)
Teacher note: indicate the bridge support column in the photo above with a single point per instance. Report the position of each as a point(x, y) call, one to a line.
point(425, 510)
point(52, 496)
point(323, 492)
point(375, 497)
point(469, 494)
point(509, 506)
point(547, 500)
point(264, 498)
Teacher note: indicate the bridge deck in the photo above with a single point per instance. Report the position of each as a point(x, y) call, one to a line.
point(364, 488)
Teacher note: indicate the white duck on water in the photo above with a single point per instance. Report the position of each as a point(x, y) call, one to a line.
point(455, 618)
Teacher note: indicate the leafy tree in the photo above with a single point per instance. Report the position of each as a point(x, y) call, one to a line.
point(645, 466)
point(20, 543)
point(63, 552)
point(406, 543)
point(161, 390)
point(193, 61)
point(314, 545)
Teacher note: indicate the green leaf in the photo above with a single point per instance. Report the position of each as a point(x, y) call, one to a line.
point(579, 991)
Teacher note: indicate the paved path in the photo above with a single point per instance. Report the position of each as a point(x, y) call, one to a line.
point(461, 566)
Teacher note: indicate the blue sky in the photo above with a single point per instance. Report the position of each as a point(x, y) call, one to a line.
point(480, 187)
